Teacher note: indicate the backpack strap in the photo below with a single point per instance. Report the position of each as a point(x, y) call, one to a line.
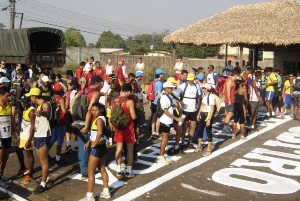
point(169, 99)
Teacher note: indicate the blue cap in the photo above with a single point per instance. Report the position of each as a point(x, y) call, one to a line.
point(159, 71)
point(200, 77)
point(138, 74)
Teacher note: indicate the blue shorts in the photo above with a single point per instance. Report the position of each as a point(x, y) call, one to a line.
point(39, 142)
point(99, 151)
point(270, 95)
point(288, 100)
point(58, 134)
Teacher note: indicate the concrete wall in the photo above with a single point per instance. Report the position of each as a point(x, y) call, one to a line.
point(287, 61)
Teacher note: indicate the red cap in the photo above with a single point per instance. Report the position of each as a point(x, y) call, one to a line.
point(57, 87)
point(122, 60)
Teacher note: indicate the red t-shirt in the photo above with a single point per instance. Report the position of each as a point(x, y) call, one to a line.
point(87, 76)
point(62, 117)
point(100, 72)
point(119, 74)
point(78, 73)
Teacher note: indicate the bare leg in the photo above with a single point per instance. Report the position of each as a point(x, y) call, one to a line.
point(163, 144)
point(93, 163)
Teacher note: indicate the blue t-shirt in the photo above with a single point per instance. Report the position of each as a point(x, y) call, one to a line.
point(157, 88)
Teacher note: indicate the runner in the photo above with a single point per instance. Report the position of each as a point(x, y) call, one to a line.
point(178, 68)
point(109, 68)
point(212, 77)
point(140, 67)
point(287, 95)
point(270, 91)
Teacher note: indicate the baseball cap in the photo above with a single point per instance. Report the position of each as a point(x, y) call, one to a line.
point(138, 74)
point(57, 87)
point(122, 60)
point(172, 80)
point(206, 86)
point(24, 99)
point(4, 79)
point(96, 79)
point(159, 71)
point(112, 76)
point(168, 84)
point(190, 77)
point(200, 77)
point(33, 92)
point(45, 78)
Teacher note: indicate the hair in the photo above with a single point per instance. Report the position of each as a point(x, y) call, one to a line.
point(116, 85)
point(212, 66)
point(126, 87)
point(140, 58)
point(200, 69)
point(156, 76)
point(92, 58)
point(59, 76)
point(179, 57)
point(131, 75)
point(53, 76)
point(101, 107)
point(97, 62)
point(135, 86)
point(237, 63)
point(268, 69)
point(26, 78)
point(40, 73)
point(234, 72)
point(258, 73)
point(194, 69)
point(4, 90)
point(184, 71)
point(70, 73)
point(82, 63)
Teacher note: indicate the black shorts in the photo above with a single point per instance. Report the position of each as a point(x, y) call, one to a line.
point(190, 116)
point(69, 119)
point(39, 142)
point(5, 143)
point(153, 108)
point(163, 128)
point(99, 151)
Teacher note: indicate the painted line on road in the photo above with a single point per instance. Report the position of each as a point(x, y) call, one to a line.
point(213, 193)
point(157, 182)
point(15, 196)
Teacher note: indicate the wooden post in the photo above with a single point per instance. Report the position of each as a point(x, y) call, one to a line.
point(255, 56)
point(241, 55)
point(174, 52)
point(226, 53)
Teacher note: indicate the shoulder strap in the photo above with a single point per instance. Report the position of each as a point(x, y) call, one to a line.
point(169, 99)
point(186, 85)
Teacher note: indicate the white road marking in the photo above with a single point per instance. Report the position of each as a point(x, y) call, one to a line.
point(15, 196)
point(131, 195)
point(213, 193)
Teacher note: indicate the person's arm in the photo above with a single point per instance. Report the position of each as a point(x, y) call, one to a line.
point(32, 128)
point(100, 126)
point(64, 87)
point(72, 103)
point(95, 98)
point(283, 91)
point(13, 123)
point(256, 90)
point(130, 106)
point(136, 68)
point(62, 105)
point(245, 95)
point(228, 87)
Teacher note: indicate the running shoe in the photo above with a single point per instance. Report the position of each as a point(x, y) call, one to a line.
point(104, 195)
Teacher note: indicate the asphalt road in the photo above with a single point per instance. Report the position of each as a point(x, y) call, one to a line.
point(264, 166)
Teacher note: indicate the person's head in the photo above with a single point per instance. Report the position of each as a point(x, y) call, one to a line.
point(97, 64)
point(98, 109)
point(92, 59)
point(168, 87)
point(229, 62)
point(20, 73)
point(291, 77)
point(53, 78)
point(244, 63)
point(258, 75)
point(211, 68)
point(201, 70)
point(45, 81)
point(249, 69)
point(159, 73)
point(109, 61)
point(126, 89)
point(190, 78)
point(173, 81)
point(184, 74)
point(96, 82)
point(131, 76)
point(194, 71)
point(206, 88)
point(34, 94)
point(140, 60)
point(268, 70)
point(240, 81)
point(58, 77)
point(4, 81)
point(57, 90)
point(179, 59)
point(234, 74)
point(70, 74)
point(25, 102)
point(115, 85)
point(135, 85)
point(120, 63)
point(2, 64)
point(111, 77)
point(277, 72)
point(82, 64)
point(27, 82)
point(18, 67)
point(237, 64)
point(123, 61)
point(4, 94)
point(72, 84)
point(41, 74)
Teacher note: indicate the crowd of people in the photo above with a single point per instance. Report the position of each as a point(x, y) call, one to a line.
point(104, 104)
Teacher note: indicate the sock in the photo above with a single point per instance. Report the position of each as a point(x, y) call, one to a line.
point(273, 113)
point(89, 194)
point(119, 168)
point(129, 169)
point(268, 113)
point(68, 142)
point(105, 190)
point(43, 184)
point(252, 126)
point(57, 157)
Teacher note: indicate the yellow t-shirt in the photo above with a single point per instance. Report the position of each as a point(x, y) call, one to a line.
point(272, 77)
point(287, 85)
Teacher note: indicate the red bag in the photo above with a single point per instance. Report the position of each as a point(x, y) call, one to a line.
point(150, 91)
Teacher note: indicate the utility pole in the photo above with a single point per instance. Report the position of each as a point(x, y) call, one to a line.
point(12, 14)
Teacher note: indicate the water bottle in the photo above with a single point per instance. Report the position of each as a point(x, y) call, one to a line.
point(182, 116)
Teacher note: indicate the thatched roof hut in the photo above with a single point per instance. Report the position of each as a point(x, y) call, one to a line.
point(275, 23)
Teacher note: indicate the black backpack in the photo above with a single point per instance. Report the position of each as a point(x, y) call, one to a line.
point(160, 111)
point(55, 111)
point(183, 93)
point(119, 119)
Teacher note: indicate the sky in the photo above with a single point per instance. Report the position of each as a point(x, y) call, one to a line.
point(124, 17)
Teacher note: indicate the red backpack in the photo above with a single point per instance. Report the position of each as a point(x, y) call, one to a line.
point(150, 91)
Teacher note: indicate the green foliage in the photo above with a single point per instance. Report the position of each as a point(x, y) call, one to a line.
point(91, 45)
point(74, 38)
point(68, 66)
point(110, 40)
point(196, 51)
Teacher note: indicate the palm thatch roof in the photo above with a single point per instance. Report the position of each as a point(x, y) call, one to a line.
point(275, 23)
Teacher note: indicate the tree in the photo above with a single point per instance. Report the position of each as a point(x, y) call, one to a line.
point(196, 51)
point(91, 45)
point(110, 40)
point(74, 38)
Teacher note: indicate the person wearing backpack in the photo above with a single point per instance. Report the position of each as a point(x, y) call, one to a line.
point(59, 122)
point(205, 118)
point(122, 117)
point(166, 120)
point(212, 77)
point(191, 99)
point(157, 87)
point(271, 88)
point(81, 107)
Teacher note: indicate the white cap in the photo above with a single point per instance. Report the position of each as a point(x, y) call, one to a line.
point(45, 78)
point(3, 70)
point(4, 79)
point(168, 84)
point(87, 67)
point(206, 85)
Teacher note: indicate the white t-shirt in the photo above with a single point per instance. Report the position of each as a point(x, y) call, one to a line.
point(253, 96)
point(210, 79)
point(228, 73)
point(190, 96)
point(105, 90)
point(108, 69)
point(179, 67)
point(212, 101)
point(124, 71)
point(141, 67)
point(166, 103)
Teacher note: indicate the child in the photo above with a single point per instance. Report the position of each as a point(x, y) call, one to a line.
point(97, 156)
